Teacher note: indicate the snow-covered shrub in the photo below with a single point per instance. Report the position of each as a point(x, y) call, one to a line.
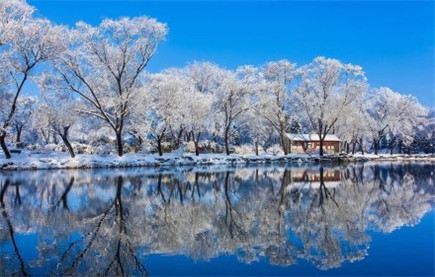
point(166, 147)
point(82, 148)
point(132, 148)
point(247, 149)
point(103, 149)
point(21, 145)
point(101, 141)
point(190, 147)
point(54, 147)
point(33, 147)
point(210, 146)
point(244, 149)
point(205, 146)
point(275, 150)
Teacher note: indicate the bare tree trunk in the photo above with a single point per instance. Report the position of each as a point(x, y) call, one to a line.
point(158, 137)
point(159, 146)
point(196, 147)
point(119, 143)
point(227, 140)
point(4, 146)
point(353, 147)
point(321, 146)
point(377, 141)
point(8, 120)
point(196, 142)
point(376, 146)
point(188, 136)
point(68, 145)
point(361, 145)
point(177, 138)
point(63, 133)
point(256, 148)
point(19, 130)
point(284, 143)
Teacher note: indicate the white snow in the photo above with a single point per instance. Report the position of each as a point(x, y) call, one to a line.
point(59, 160)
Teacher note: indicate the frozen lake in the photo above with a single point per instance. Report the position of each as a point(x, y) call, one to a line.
point(358, 219)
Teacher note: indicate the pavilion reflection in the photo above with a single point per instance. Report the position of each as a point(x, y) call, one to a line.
point(312, 178)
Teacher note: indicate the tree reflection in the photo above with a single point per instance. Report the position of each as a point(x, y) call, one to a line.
point(9, 227)
point(107, 223)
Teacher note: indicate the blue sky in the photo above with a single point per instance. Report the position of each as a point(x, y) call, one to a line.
point(392, 41)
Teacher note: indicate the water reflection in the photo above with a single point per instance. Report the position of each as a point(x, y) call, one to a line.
point(106, 222)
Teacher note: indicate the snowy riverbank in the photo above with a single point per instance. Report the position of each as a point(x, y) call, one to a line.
point(60, 160)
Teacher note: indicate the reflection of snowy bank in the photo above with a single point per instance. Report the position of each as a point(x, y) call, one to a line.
point(57, 160)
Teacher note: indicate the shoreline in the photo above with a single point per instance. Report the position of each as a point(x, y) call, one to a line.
point(61, 160)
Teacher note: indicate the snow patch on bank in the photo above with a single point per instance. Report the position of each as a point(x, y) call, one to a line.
point(61, 160)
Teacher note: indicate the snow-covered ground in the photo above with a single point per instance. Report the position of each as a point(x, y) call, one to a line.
point(58, 160)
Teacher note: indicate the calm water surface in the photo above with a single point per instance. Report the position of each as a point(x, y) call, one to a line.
point(362, 219)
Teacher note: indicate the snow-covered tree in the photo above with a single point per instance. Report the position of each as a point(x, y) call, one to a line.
point(409, 121)
point(350, 128)
point(295, 125)
point(258, 128)
point(104, 65)
point(427, 134)
point(205, 76)
point(199, 116)
point(6, 97)
point(327, 89)
point(275, 97)
point(394, 113)
point(58, 112)
point(207, 79)
point(25, 42)
point(22, 117)
point(13, 13)
point(233, 99)
point(162, 107)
